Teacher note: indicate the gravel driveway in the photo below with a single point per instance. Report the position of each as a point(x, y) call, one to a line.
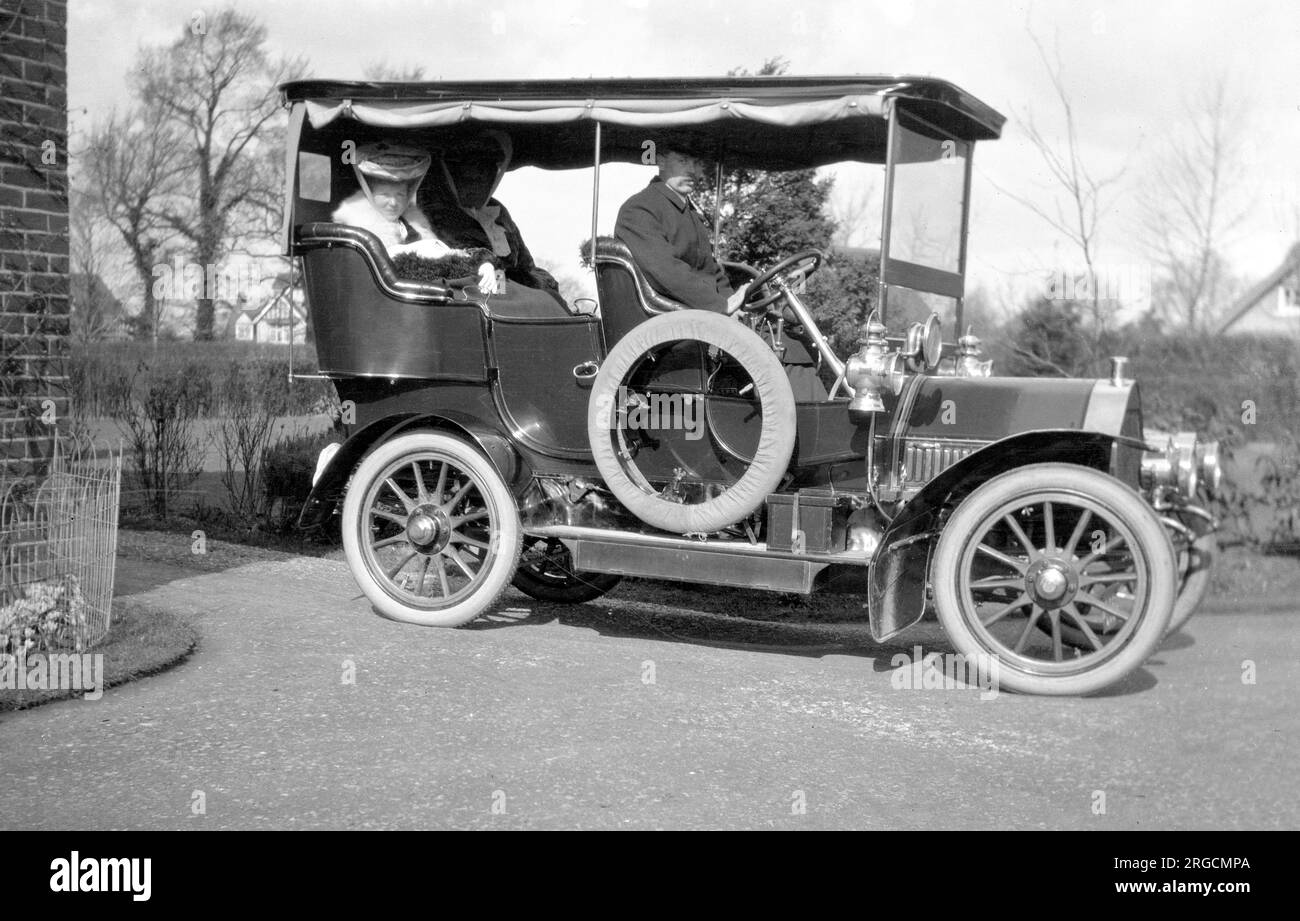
point(645, 709)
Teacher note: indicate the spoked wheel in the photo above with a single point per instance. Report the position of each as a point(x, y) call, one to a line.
point(430, 530)
point(1195, 549)
point(1054, 545)
point(546, 573)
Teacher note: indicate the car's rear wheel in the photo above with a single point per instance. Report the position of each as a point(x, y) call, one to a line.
point(546, 573)
point(430, 530)
point(1046, 542)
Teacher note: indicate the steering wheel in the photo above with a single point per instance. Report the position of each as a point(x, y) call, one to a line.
point(795, 268)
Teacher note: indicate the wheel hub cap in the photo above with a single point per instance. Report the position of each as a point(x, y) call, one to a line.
point(1051, 583)
point(428, 529)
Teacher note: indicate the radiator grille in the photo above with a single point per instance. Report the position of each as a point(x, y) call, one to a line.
point(925, 460)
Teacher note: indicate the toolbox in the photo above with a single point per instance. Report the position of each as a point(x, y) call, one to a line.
point(820, 514)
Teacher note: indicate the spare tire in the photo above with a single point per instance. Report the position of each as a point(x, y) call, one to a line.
point(776, 438)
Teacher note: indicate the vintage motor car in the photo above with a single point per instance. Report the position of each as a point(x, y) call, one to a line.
point(506, 437)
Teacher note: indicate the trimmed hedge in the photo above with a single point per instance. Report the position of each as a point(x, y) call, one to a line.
point(98, 371)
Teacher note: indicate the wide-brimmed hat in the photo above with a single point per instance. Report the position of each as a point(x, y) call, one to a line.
point(387, 162)
point(489, 146)
point(392, 162)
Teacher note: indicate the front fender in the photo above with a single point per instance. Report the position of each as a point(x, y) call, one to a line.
point(896, 597)
point(329, 487)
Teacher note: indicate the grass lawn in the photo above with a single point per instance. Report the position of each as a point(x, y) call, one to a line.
point(141, 641)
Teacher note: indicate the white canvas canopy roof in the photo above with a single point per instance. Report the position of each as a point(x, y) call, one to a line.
point(758, 122)
point(637, 113)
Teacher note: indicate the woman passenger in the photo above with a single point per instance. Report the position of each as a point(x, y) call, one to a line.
point(466, 214)
point(390, 176)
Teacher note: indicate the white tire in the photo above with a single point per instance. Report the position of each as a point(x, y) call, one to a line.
point(430, 530)
point(1048, 540)
point(776, 437)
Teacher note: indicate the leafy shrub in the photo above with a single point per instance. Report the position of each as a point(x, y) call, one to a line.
point(842, 295)
point(48, 615)
point(94, 369)
point(1047, 339)
point(287, 473)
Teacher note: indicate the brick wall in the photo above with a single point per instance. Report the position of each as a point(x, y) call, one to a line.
point(33, 228)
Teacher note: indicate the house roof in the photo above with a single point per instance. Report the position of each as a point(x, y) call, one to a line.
point(283, 296)
point(1248, 301)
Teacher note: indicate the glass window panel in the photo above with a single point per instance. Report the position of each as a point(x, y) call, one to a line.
point(926, 212)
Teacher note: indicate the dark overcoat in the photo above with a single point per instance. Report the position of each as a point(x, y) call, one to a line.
point(461, 230)
point(671, 245)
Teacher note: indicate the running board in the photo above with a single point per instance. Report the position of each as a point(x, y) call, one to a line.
point(678, 559)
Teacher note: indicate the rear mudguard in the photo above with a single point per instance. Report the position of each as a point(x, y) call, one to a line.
point(328, 490)
point(896, 596)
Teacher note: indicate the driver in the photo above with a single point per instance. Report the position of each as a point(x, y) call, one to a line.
point(669, 239)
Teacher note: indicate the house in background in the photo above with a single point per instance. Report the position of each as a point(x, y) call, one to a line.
point(284, 315)
point(1270, 307)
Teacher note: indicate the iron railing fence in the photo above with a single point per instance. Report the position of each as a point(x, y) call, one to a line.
point(58, 542)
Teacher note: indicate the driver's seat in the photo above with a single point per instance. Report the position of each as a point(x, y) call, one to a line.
point(626, 297)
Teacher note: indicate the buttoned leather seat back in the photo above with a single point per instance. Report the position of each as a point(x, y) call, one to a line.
point(626, 298)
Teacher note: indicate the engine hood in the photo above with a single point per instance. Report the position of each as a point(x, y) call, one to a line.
point(990, 408)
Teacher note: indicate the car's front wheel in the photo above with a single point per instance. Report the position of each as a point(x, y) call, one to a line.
point(1195, 549)
point(1038, 549)
point(430, 530)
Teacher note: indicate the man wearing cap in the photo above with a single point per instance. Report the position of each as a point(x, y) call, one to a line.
point(465, 214)
point(671, 242)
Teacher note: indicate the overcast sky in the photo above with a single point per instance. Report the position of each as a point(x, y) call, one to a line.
point(1128, 68)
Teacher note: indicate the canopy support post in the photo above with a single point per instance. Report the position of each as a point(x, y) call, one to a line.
point(595, 198)
point(717, 201)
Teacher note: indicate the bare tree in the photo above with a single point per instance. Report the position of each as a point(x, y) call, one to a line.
point(1087, 196)
point(130, 166)
point(385, 72)
point(1192, 203)
point(854, 208)
point(1286, 212)
point(217, 87)
point(95, 270)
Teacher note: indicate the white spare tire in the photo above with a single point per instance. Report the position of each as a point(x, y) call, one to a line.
point(776, 438)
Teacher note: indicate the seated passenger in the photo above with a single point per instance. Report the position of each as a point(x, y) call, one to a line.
point(465, 214)
point(389, 176)
point(672, 245)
